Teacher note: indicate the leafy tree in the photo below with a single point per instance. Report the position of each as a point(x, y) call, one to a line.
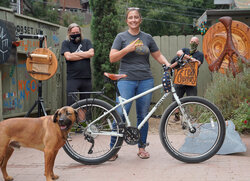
point(42, 10)
point(69, 17)
point(104, 28)
point(174, 17)
point(5, 3)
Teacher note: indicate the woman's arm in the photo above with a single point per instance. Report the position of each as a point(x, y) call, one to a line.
point(79, 55)
point(116, 55)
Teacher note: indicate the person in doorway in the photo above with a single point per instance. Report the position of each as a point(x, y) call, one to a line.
point(193, 55)
point(77, 52)
point(133, 48)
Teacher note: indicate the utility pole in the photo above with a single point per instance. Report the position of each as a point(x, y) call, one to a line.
point(18, 6)
point(63, 5)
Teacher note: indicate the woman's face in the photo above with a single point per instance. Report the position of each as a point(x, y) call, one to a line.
point(133, 19)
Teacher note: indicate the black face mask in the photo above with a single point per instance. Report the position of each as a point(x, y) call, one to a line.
point(75, 38)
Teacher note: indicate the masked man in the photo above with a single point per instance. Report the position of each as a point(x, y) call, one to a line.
point(77, 52)
point(192, 55)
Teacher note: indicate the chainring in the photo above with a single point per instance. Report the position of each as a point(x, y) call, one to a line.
point(132, 135)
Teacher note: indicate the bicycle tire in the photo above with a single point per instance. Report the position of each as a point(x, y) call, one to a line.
point(180, 142)
point(78, 147)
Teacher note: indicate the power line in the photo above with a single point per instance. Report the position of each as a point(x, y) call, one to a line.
point(195, 13)
point(152, 7)
point(164, 21)
point(177, 5)
point(163, 12)
point(171, 13)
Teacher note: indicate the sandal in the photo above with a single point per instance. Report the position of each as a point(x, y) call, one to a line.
point(113, 158)
point(143, 155)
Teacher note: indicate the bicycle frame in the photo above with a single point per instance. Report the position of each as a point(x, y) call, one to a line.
point(102, 121)
point(125, 101)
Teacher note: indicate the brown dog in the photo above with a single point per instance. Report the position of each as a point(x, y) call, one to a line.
point(47, 134)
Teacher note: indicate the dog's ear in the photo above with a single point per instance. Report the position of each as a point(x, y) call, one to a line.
point(76, 114)
point(55, 116)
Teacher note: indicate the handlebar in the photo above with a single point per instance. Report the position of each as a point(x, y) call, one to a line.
point(179, 62)
point(28, 36)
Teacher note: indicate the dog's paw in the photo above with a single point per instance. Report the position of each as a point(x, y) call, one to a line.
point(54, 177)
point(9, 178)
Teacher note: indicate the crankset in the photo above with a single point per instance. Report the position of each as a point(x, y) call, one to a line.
point(132, 135)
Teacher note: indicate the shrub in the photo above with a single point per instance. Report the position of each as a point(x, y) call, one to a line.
point(241, 117)
point(104, 28)
point(231, 95)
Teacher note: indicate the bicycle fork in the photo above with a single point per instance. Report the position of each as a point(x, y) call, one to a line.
point(183, 112)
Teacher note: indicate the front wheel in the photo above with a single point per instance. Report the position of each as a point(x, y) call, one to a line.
point(89, 143)
point(193, 133)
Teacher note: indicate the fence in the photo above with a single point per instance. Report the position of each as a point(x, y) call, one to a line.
point(169, 45)
point(18, 91)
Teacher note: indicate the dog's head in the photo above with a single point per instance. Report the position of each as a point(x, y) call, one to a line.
point(65, 117)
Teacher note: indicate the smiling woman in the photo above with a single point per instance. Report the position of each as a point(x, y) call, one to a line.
point(133, 48)
point(133, 19)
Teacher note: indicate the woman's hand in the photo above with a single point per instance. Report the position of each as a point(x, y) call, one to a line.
point(116, 55)
point(132, 46)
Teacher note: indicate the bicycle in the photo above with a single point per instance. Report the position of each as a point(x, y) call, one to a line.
point(90, 139)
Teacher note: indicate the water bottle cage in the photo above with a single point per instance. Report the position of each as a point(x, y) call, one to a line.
point(166, 82)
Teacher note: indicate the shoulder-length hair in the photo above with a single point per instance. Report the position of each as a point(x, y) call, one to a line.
point(72, 25)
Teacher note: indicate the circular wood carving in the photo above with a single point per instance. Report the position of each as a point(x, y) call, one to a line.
point(41, 64)
point(215, 39)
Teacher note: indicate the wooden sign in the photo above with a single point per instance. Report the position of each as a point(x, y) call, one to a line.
point(187, 75)
point(41, 64)
point(225, 44)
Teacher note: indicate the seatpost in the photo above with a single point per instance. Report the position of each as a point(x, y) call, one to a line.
point(116, 88)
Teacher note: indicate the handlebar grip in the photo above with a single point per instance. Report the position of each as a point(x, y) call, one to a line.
point(181, 58)
point(165, 68)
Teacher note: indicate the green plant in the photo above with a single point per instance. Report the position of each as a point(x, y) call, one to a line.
point(69, 17)
point(228, 93)
point(104, 28)
point(5, 3)
point(241, 117)
point(41, 10)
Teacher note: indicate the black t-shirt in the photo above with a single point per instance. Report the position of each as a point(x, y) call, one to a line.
point(197, 55)
point(81, 68)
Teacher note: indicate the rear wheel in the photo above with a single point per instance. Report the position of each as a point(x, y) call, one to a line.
point(94, 148)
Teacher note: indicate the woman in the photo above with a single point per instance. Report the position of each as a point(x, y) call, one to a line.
point(133, 48)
